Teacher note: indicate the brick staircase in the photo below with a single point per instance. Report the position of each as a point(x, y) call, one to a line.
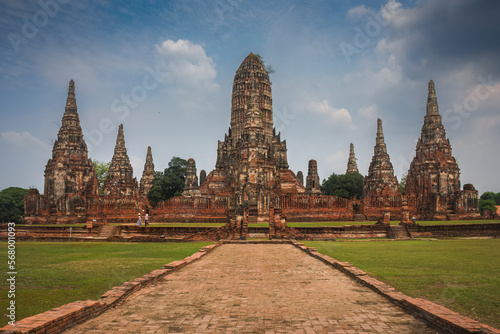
point(107, 231)
point(400, 232)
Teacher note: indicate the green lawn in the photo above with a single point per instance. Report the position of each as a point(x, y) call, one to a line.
point(463, 275)
point(51, 274)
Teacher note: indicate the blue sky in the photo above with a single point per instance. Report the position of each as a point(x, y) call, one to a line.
point(165, 69)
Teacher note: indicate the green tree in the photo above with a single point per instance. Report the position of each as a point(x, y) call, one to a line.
point(101, 169)
point(402, 183)
point(488, 201)
point(168, 183)
point(343, 185)
point(12, 204)
point(487, 204)
point(491, 195)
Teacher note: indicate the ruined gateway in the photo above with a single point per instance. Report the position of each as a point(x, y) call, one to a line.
point(251, 181)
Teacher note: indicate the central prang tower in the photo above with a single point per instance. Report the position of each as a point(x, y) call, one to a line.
point(251, 92)
point(251, 118)
point(251, 161)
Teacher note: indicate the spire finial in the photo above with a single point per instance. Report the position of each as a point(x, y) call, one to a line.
point(432, 105)
point(380, 147)
point(120, 139)
point(149, 156)
point(432, 89)
point(71, 100)
point(380, 131)
point(352, 166)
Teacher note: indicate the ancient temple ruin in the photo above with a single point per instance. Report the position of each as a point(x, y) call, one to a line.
point(251, 181)
point(70, 176)
point(313, 185)
point(71, 192)
point(120, 181)
point(380, 180)
point(434, 177)
point(352, 166)
point(191, 187)
point(148, 175)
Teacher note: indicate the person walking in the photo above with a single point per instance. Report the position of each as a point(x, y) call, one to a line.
point(139, 221)
point(146, 218)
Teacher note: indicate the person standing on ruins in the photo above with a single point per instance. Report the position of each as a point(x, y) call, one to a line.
point(139, 221)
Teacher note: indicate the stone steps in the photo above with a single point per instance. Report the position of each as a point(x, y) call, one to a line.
point(400, 232)
point(107, 231)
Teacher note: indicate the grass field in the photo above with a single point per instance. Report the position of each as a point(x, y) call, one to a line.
point(50, 274)
point(463, 275)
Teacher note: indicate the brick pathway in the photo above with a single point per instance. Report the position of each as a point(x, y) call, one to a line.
point(255, 289)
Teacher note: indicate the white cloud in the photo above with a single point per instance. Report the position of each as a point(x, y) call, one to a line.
point(357, 12)
point(341, 115)
point(23, 140)
point(391, 10)
point(187, 66)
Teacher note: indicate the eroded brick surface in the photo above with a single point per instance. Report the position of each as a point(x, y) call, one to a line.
point(255, 288)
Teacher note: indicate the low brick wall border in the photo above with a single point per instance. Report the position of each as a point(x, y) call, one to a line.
point(436, 316)
point(69, 315)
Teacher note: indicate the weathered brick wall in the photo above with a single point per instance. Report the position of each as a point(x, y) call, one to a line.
point(348, 231)
point(158, 234)
point(164, 232)
point(40, 232)
point(457, 230)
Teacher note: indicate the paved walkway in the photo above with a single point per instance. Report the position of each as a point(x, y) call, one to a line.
point(255, 289)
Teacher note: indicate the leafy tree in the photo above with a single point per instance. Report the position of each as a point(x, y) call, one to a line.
point(168, 183)
point(101, 169)
point(488, 201)
point(487, 204)
point(344, 185)
point(491, 195)
point(12, 204)
point(402, 183)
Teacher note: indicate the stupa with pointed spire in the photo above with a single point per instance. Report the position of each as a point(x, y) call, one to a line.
point(148, 175)
point(352, 166)
point(434, 175)
point(380, 180)
point(252, 160)
point(70, 171)
point(120, 180)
